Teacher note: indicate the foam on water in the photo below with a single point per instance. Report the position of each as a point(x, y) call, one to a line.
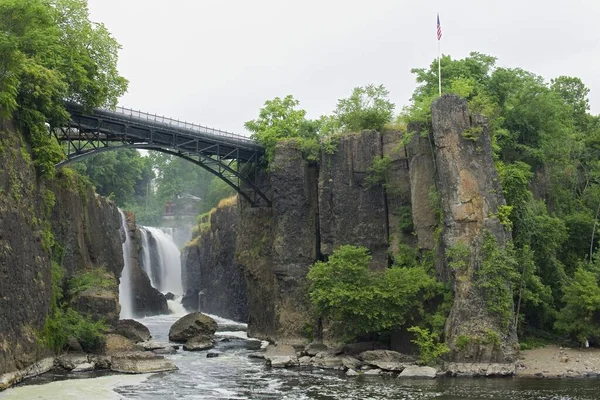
point(76, 389)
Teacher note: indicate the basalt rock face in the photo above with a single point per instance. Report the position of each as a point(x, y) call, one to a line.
point(470, 195)
point(24, 264)
point(85, 228)
point(210, 269)
point(351, 209)
point(147, 300)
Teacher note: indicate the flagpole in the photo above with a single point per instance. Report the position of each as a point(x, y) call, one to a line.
point(439, 37)
point(439, 68)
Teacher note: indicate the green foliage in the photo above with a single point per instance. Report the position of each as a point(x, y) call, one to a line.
point(51, 52)
point(578, 317)
point(473, 133)
point(504, 216)
point(123, 173)
point(458, 256)
point(495, 276)
point(97, 278)
point(367, 107)
point(358, 301)
point(430, 348)
point(66, 323)
point(405, 219)
point(378, 171)
point(280, 119)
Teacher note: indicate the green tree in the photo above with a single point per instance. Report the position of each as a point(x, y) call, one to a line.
point(358, 301)
point(52, 52)
point(367, 107)
point(280, 119)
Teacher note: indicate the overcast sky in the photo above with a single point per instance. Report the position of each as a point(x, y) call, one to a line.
point(216, 62)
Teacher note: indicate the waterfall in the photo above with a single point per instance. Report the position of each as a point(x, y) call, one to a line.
point(162, 261)
point(125, 294)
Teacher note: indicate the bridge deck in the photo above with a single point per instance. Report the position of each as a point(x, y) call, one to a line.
point(136, 127)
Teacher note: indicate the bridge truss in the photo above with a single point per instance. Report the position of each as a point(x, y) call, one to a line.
point(233, 158)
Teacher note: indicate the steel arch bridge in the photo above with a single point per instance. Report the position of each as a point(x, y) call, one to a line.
point(233, 158)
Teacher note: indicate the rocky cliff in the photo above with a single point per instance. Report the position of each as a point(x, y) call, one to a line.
point(39, 221)
point(471, 198)
point(209, 268)
point(439, 195)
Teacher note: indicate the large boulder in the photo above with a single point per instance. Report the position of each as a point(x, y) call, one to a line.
point(140, 363)
point(115, 344)
point(387, 360)
point(99, 304)
point(413, 371)
point(192, 325)
point(133, 330)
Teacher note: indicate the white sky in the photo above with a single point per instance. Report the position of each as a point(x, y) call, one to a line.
point(216, 62)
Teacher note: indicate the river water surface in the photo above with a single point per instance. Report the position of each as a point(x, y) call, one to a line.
point(233, 375)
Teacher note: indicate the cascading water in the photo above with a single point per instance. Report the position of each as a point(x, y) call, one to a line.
point(166, 275)
point(125, 292)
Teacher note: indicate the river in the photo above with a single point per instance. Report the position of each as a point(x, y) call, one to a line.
point(233, 375)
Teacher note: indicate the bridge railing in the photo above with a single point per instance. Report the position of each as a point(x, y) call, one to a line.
point(128, 112)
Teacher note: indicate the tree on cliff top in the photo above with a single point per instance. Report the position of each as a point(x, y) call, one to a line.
point(51, 52)
point(280, 119)
point(367, 107)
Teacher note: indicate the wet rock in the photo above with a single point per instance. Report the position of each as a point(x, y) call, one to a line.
point(71, 360)
point(313, 348)
point(115, 344)
point(133, 330)
point(190, 300)
point(481, 369)
point(147, 300)
point(192, 325)
point(213, 354)
point(351, 362)
point(209, 267)
point(280, 350)
point(85, 367)
point(231, 328)
point(101, 361)
point(11, 378)
point(387, 359)
point(413, 371)
point(170, 296)
point(282, 361)
point(352, 372)
point(165, 351)
point(140, 363)
point(373, 372)
point(258, 355)
point(199, 343)
point(306, 360)
point(152, 345)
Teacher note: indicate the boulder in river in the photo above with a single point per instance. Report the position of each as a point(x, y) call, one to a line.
point(138, 362)
point(413, 371)
point(133, 330)
point(170, 296)
point(192, 325)
point(387, 360)
point(198, 343)
point(115, 344)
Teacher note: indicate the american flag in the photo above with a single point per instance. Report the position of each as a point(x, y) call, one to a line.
point(439, 28)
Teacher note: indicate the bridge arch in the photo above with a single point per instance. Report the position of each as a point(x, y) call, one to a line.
point(234, 159)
